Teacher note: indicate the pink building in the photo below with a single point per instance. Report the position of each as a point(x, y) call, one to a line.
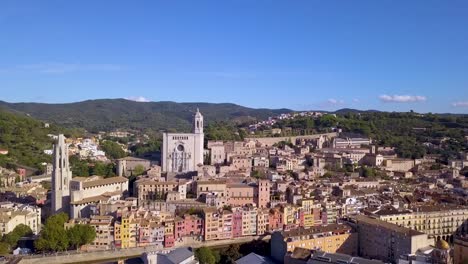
point(193, 225)
point(179, 231)
point(169, 240)
point(275, 220)
point(237, 223)
point(188, 226)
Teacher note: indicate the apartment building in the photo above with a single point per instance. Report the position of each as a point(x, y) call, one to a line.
point(334, 238)
point(12, 215)
point(104, 227)
point(217, 224)
point(439, 222)
point(386, 241)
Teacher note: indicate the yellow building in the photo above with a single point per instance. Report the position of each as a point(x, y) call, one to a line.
point(331, 238)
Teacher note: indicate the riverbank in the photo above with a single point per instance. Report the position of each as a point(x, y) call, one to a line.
point(115, 255)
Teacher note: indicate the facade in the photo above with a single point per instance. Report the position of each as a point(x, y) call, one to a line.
point(91, 190)
point(104, 232)
point(150, 190)
point(439, 222)
point(61, 177)
point(460, 249)
point(184, 152)
point(218, 225)
point(335, 238)
point(127, 165)
point(12, 216)
point(386, 241)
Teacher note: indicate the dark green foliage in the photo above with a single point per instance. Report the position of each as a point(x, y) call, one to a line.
point(142, 149)
point(139, 170)
point(206, 255)
point(113, 150)
point(4, 249)
point(258, 174)
point(14, 236)
point(224, 131)
point(230, 254)
point(80, 235)
point(111, 114)
point(25, 139)
point(368, 172)
point(85, 168)
point(54, 237)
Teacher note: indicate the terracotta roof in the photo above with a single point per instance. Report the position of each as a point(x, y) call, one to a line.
point(386, 225)
point(111, 180)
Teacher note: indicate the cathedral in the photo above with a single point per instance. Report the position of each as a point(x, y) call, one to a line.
point(182, 152)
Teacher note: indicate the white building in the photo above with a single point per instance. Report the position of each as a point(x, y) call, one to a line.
point(12, 215)
point(183, 152)
point(87, 191)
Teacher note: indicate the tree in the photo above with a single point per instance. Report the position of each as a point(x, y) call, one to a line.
point(231, 254)
point(80, 235)
point(14, 236)
point(205, 255)
point(4, 248)
point(138, 170)
point(113, 150)
point(53, 237)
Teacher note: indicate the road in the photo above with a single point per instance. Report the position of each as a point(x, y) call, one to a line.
point(99, 256)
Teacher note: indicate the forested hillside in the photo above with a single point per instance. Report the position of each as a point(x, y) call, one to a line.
point(110, 114)
point(25, 139)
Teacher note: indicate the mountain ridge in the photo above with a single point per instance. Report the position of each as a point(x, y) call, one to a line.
point(110, 114)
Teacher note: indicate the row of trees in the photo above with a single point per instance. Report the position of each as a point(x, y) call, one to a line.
point(85, 168)
point(55, 237)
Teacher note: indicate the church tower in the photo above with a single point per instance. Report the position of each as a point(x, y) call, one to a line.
point(61, 176)
point(199, 137)
point(198, 123)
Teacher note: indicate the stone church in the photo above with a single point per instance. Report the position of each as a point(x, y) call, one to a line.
point(183, 152)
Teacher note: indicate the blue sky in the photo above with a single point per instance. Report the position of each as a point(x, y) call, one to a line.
point(386, 55)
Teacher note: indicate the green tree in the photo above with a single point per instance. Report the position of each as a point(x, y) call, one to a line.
point(205, 255)
point(4, 249)
point(231, 254)
point(53, 236)
point(138, 170)
point(14, 236)
point(80, 235)
point(113, 150)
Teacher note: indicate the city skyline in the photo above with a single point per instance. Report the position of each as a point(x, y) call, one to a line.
point(308, 55)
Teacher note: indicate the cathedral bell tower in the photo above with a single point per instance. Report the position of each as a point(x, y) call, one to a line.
point(199, 137)
point(198, 123)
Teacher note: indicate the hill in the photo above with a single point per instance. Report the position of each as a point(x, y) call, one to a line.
point(110, 114)
point(25, 139)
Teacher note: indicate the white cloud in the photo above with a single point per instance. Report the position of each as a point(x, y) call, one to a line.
point(355, 100)
point(333, 101)
point(138, 99)
point(460, 104)
point(60, 68)
point(402, 98)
